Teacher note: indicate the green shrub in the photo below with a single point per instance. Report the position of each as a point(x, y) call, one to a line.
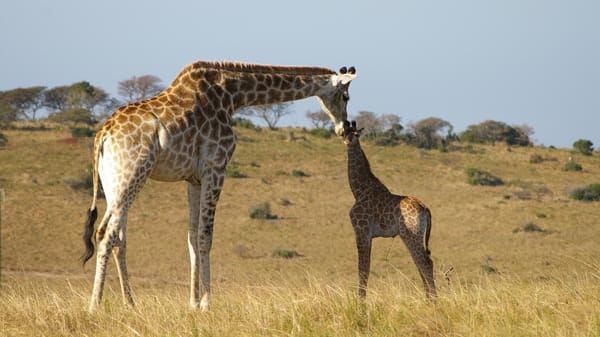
point(286, 254)
point(529, 227)
point(299, 173)
point(487, 267)
point(3, 140)
point(584, 146)
point(82, 132)
point(320, 132)
point(244, 123)
point(84, 182)
point(536, 158)
point(572, 166)
point(75, 115)
point(233, 171)
point(386, 141)
point(262, 211)
point(483, 178)
point(588, 193)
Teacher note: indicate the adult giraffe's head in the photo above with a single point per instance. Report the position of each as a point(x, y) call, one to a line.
point(334, 97)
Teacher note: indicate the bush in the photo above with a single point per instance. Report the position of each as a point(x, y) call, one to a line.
point(84, 182)
point(487, 267)
point(491, 131)
point(3, 140)
point(483, 178)
point(320, 132)
point(529, 227)
point(588, 193)
point(572, 166)
point(76, 115)
point(386, 141)
point(584, 146)
point(536, 159)
point(262, 211)
point(233, 171)
point(299, 173)
point(244, 123)
point(82, 132)
point(286, 254)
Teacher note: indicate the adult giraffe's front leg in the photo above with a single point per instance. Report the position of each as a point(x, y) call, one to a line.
point(202, 202)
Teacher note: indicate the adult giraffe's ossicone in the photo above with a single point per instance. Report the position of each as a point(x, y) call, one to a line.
point(185, 133)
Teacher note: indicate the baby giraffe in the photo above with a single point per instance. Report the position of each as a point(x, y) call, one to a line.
point(379, 213)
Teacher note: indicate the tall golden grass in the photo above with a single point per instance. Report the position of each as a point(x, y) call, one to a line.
point(493, 306)
point(504, 281)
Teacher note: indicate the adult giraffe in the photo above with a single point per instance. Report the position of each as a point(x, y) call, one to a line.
point(185, 133)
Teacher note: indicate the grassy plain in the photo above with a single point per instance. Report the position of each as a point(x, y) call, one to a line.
point(494, 277)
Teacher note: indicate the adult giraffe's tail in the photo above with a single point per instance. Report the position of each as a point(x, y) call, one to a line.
point(427, 230)
point(92, 213)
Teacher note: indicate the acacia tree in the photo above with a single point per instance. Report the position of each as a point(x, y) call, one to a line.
point(25, 102)
point(78, 102)
point(491, 131)
point(139, 88)
point(431, 132)
point(375, 126)
point(270, 113)
point(319, 119)
point(584, 146)
point(8, 114)
point(371, 124)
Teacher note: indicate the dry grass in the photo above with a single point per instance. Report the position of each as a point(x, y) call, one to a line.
point(544, 283)
point(307, 307)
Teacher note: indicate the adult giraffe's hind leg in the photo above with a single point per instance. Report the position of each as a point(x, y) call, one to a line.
point(110, 234)
point(108, 238)
point(119, 253)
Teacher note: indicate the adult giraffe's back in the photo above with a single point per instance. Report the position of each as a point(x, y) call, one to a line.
point(185, 133)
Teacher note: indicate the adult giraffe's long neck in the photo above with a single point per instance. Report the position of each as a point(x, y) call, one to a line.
point(230, 86)
point(362, 180)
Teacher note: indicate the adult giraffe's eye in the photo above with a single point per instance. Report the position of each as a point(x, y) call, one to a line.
point(345, 97)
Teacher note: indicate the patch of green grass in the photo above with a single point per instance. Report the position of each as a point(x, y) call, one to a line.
point(530, 227)
point(262, 211)
point(479, 177)
point(286, 254)
point(572, 166)
point(233, 171)
point(3, 140)
point(587, 193)
point(299, 173)
point(82, 132)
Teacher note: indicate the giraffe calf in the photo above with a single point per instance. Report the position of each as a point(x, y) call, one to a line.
point(379, 213)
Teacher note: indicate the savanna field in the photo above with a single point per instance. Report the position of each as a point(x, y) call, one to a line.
point(519, 259)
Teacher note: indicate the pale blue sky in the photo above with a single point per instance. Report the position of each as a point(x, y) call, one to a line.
point(517, 61)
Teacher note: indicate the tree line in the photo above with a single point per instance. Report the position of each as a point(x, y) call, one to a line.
point(80, 102)
point(430, 132)
point(84, 103)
